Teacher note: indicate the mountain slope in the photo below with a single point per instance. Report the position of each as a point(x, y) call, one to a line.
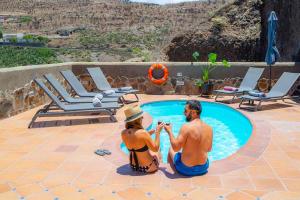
point(233, 33)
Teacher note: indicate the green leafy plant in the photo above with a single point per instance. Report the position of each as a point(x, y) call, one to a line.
point(141, 53)
point(33, 38)
point(25, 19)
point(28, 38)
point(13, 40)
point(143, 39)
point(196, 56)
point(21, 56)
point(212, 65)
point(42, 39)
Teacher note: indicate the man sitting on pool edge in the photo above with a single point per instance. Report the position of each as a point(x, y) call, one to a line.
point(195, 140)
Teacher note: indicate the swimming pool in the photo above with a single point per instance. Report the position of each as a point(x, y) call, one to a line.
point(231, 129)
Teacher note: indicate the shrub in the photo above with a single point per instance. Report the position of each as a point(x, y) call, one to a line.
point(42, 39)
point(20, 56)
point(219, 23)
point(28, 38)
point(25, 19)
point(90, 38)
point(33, 38)
point(145, 54)
point(13, 40)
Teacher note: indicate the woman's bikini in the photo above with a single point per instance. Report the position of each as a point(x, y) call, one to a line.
point(137, 167)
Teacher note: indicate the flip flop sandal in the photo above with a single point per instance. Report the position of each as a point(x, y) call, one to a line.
point(100, 152)
point(107, 152)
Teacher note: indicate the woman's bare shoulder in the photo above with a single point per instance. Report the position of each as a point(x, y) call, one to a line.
point(141, 132)
point(136, 132)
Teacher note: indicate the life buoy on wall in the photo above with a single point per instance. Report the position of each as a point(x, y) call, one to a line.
point(158, 73)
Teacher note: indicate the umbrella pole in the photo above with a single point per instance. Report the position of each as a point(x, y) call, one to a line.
point(270, 77)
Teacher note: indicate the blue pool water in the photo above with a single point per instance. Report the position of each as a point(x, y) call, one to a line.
point(231, 129)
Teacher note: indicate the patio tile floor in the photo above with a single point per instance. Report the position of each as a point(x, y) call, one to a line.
point(56, 160)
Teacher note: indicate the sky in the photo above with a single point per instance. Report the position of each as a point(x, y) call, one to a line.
point(162, 1)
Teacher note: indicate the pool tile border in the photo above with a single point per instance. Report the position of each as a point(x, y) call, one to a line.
point(249, 153)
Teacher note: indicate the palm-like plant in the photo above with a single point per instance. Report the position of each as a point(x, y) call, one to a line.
point(206, 70)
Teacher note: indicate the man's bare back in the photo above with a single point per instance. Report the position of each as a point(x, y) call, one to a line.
point(195, 141)
point(198, 143)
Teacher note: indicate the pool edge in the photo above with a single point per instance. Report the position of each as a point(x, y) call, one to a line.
point(250, 152)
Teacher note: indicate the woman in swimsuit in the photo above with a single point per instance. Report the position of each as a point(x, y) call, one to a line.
point(143, 150)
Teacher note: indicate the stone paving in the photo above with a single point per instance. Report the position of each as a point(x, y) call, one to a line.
point(56, 161)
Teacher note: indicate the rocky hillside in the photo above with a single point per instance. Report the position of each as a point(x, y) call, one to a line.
point(233, 33)
point(106, 15)
point(115, 30)
point(238, 32)
point(120, 31)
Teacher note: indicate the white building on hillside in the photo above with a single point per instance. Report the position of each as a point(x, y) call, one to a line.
point(8, 37)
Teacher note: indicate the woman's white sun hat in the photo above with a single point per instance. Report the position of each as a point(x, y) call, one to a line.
point(133, 112)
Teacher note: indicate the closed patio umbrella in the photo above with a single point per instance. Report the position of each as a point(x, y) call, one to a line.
point(272, 54)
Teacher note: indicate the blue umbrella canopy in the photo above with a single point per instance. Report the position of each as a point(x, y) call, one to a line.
point(272, 52)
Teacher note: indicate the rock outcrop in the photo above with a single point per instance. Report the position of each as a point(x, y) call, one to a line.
point(238, 32)
point(233, 33)
point(288, 34)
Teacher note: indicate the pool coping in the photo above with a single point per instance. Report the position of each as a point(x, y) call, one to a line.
point(250, 152)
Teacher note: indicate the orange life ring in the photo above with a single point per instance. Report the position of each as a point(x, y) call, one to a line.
point(161, 80)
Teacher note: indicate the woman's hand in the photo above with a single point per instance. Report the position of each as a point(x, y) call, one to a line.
point(151, 131)
point(159, 127)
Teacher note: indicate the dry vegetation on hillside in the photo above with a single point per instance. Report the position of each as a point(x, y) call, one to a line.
point(102, 15)
point(112, 25)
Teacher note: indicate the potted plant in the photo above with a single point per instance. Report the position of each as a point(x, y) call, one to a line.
point(204, 82)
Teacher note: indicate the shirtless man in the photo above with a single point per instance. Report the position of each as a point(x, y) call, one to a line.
point(195, 140)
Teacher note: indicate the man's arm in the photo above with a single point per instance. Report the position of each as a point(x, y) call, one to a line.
point(210, 140)
point(177, 143)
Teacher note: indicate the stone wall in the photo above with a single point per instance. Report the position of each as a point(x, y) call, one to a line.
point(189, 88)
point(18, 91)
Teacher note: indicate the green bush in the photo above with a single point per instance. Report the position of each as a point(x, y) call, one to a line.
point(76, 55)
point(13, 40)
point(145, 54)
point(21, 56)
point(42, 39)
point(150, 39)
point(25, 19)
point(28, 38)
point(33, 38)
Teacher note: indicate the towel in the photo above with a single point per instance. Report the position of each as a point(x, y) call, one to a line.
point(97, 102)
point(109, 92)
point(229, 88)
point(125, 88)
point(257, 94)
point(99, 96)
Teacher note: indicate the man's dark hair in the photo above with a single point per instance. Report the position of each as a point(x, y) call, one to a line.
point(195, 105)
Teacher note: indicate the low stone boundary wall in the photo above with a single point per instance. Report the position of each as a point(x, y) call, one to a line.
point(19, 93)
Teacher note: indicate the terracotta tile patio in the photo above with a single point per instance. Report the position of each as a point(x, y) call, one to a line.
point(56, 160)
